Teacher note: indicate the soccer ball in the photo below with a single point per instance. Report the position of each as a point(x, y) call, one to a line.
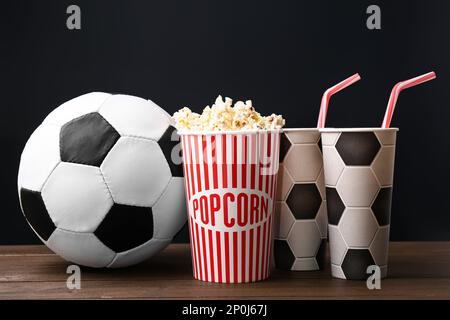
point(359, 169)
point(100, 180)
point(301, 214)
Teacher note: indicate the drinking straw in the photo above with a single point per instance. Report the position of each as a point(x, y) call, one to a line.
point(396, 91)
point(328, 93)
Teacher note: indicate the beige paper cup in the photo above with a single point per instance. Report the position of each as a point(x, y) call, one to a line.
point(359, 168)
point(300, 215)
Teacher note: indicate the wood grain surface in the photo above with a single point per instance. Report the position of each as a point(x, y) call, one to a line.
point(417, 270)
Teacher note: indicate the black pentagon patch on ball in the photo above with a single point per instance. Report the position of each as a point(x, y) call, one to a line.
point(285, 144)
point(168, 141)
point(304, 200)
point(335, 206)
point(355, 264)
point(321, 254)
point(36, 214)
point(125, 227)
point(87, 139)
point(284, 258)
point(358, 148)
point(381, 207)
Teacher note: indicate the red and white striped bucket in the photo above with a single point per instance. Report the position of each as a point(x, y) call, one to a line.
point(230, 189)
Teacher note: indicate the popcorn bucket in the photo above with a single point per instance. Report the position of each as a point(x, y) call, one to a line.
point(230, 189)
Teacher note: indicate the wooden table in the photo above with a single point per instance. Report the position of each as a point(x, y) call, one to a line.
point(416, 270)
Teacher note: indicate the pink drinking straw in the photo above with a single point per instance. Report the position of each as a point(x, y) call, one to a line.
point(327, 95)
point(396, 91)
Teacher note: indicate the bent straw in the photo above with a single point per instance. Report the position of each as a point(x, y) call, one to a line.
point(328, 93)
point(396, 91)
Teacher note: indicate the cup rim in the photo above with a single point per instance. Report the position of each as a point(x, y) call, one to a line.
point(301, 129)
point(231, 132)
point(362, 129)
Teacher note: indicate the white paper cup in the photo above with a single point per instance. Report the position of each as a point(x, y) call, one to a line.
point(300, 212)
point(230, 190)
point(359, 169)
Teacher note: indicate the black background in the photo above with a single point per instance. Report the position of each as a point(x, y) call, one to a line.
point(281, 54)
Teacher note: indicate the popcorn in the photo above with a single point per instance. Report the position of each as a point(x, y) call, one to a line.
point(222, 115)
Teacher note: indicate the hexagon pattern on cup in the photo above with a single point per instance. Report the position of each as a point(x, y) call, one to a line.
point(322, 253)
point(386, 138)
point(335, 206)
point(333, 165)
point(304, 162)
point(329, 138)
point(338, 247)
point(304, 200)
point(336, 271)
point(319, 144)
point(383, 165)
point(283, 220)
point(322, 219)
point(303, 136)
point(321, 184)
point(304, 239)
point(302, 192)
point(357, 186)
point(285, 145)
point(355, 264)
point(284, 183)
point(381, 207)
point(359, 194)
point(358, 148)
point(378, 246)
point(283, 255)
point(305, 264)
point(358, 226)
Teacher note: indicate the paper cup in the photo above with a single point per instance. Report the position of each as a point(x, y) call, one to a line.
point(359, 168)
point(300, 213)
point(230, 190)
